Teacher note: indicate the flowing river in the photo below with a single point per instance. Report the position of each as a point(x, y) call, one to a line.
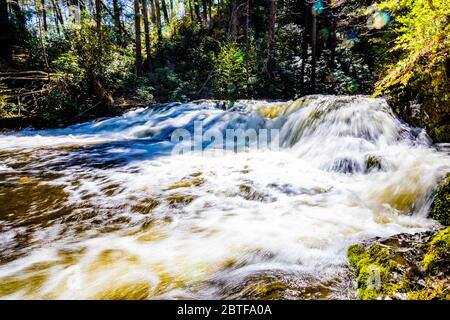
point(107, 210)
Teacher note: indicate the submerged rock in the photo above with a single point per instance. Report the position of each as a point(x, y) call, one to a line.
point(372, 163)
point(440, 208)
point(404, 266)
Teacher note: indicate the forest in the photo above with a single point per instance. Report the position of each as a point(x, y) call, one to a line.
point(225, 149)
point(65, 61)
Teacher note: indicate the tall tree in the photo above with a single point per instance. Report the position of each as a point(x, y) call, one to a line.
point(58, 16)
point(197, 11)
point(152, 10)
point(313, 53)
point(158, 21)
point(117, 25)
point(148, 61)
point(137, 28)
point(98, 15)
point(205, 12)
point(44, 15)
point(234, 19)
point(191, 11)
point(6, 33)
point(271, 43)
point(304, 54)
point(166, 14)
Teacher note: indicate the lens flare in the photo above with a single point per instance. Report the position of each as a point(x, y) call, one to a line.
point(317, 8)
point(352, 35)
point(379, 20)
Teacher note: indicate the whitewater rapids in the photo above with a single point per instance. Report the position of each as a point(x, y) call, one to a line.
point(104, 210)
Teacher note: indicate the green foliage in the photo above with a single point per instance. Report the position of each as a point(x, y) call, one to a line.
point(421, 73)
point(84, 53)
point(7, 107)
point(236, 71)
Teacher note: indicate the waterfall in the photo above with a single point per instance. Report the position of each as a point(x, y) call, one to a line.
point(106, 209)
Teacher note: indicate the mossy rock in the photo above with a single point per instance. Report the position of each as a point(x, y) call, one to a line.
point(374, 266)
point(404, 266)
point(437, 259)
point(440, 208)
point(440, 133)
point(417, 89)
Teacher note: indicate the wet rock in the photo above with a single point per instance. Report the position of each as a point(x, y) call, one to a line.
point(404, 266)
point(346, 165)
point(179, 200)
point(372, 163)
point(249, 193)
point(186, 183)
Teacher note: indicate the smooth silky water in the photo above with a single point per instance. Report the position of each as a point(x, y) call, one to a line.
point(104, 210)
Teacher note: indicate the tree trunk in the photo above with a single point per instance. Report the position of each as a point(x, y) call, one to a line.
point(205, 12)
point(197, 11)
point(166, 14)
point(137, 27)
point(314, 54)
point(247, 25)
point(98, 15)
point(5, 35)
point(148, 61)
point(152, 10)
point(58, 13)
point(234, 19)
point(305, 24)
point(44, 15)
point(117, 26)
point(210, 2)
point(106, 102)
point(191, 11)
point(271, 42)
point(158, 21)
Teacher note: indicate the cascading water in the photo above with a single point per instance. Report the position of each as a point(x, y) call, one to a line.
point(106, 210)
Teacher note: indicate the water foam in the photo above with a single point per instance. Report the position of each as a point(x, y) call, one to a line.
point(217, 226)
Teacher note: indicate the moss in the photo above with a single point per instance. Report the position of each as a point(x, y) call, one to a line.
point(355, 254)
point(421, 79)
point(437, 258)
point(440, 133)
point(372, 163)
point(374, 266)
point(440, 208)
point(415, 267)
